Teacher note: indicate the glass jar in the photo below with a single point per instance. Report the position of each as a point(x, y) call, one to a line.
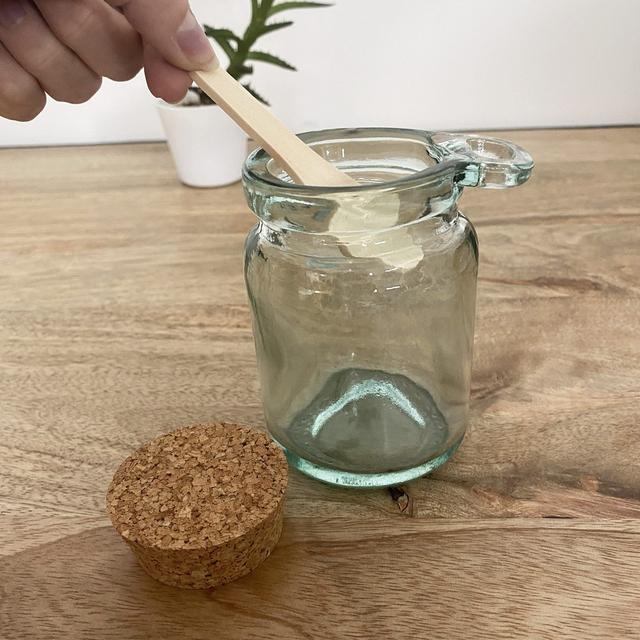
point(363, 299)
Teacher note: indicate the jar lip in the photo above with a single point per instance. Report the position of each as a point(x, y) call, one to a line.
point(255, 171)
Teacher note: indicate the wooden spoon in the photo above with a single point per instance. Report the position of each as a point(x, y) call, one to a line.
point(301, 162)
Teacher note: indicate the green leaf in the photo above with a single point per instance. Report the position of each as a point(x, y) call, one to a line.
point(265, 7)
point(213, 32)
point(255, 94)
point(224, 37)
point(285, 6)
point(225, 46)
point(263, 56)
point(274, 26)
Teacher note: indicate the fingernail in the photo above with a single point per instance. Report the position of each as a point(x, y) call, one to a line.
point(12, 13)
point(194, 44)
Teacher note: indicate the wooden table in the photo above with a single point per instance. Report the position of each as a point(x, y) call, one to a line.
point(123, 315)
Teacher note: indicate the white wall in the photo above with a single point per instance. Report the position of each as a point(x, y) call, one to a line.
point(439, 64)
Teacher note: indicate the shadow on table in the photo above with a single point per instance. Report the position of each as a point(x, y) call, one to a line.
point(387, 576)
point(89, 585)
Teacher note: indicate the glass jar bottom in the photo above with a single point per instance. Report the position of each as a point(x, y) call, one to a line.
point(368, 427)
point(367, 480)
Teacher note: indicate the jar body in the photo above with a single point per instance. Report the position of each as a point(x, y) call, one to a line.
point(363, 299)
point(364, 366)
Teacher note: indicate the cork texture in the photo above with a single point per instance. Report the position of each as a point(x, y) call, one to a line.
point(201, 506)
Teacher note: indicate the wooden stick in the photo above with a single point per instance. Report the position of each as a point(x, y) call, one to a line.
point(301, 162)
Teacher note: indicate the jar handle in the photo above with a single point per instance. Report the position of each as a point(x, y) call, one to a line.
point(486, 162)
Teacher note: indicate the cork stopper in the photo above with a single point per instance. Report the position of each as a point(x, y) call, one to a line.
point(201, 506)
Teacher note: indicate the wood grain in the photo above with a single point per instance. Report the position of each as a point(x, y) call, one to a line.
point(123, 315)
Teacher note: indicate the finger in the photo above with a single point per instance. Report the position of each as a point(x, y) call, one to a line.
point(170, 28)
point(32, 44)
point(165, 81)
point(21, 97)
point(101, 36)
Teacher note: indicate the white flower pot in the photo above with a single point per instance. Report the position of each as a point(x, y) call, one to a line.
point(208, 148)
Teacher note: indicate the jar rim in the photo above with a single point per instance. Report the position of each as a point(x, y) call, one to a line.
point(255, 171)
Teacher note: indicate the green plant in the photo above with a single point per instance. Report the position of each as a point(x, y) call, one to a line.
point(240, 49)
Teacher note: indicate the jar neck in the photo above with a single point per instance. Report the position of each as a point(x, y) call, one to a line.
point(364, 213)
point(394, 245)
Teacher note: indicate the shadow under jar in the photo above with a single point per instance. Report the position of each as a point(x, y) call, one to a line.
point(363, 299)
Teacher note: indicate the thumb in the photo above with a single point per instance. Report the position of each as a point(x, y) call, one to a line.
point(171, 29)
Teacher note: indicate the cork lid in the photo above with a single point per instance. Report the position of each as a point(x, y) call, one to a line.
point(202, 505)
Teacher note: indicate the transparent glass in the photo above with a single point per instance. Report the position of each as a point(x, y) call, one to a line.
point(363, 300)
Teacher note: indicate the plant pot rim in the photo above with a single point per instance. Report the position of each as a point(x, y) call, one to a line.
point(162, 104)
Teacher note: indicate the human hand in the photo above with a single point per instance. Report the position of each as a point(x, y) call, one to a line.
point(63, 48)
